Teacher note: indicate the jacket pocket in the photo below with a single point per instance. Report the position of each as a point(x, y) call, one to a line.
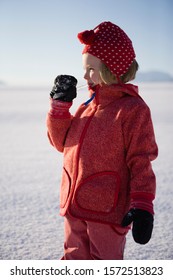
point(99, 192)
point(65, 187)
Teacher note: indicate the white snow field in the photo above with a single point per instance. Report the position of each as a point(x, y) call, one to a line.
point(30, 173)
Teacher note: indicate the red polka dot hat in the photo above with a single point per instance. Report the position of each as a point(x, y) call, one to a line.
point(110, 44)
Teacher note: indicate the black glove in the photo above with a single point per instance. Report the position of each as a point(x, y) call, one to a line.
point(142, 224)
point(64, 88)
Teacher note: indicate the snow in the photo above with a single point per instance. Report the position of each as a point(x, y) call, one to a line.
point(30, 173)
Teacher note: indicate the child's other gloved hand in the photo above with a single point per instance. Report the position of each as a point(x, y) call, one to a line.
point(142, 224)
point(64, 88)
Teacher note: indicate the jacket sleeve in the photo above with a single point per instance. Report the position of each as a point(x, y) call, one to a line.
point(58, 123)
point(141, 149)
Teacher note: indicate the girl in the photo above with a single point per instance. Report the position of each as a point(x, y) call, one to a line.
point(108, 145)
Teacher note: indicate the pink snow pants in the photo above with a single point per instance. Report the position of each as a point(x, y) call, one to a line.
point(93, 241)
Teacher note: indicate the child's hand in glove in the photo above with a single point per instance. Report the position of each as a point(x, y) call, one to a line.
point(142, 224)
point(64, 88)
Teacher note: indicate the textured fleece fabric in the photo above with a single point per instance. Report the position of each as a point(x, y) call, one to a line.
point(108, 147)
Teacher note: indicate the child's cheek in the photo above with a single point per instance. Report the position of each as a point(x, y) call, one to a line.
point(94, 77)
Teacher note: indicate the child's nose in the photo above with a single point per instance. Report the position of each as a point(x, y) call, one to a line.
point(85, 76)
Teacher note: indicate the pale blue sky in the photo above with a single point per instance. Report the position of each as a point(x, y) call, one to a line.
point(38, 37)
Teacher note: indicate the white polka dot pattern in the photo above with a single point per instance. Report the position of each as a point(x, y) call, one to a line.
point(111, 45)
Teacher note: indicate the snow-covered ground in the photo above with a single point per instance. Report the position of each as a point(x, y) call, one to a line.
point(30, 172)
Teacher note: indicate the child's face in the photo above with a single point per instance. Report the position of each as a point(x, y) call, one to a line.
point(91, 65)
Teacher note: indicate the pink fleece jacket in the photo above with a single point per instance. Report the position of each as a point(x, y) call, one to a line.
point(108, 147)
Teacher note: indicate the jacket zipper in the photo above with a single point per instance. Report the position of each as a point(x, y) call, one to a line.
point(78, 152)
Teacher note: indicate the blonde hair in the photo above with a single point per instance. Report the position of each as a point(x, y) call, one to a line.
point(109, 78)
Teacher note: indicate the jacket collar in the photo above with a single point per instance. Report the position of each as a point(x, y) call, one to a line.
point(109, 93)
